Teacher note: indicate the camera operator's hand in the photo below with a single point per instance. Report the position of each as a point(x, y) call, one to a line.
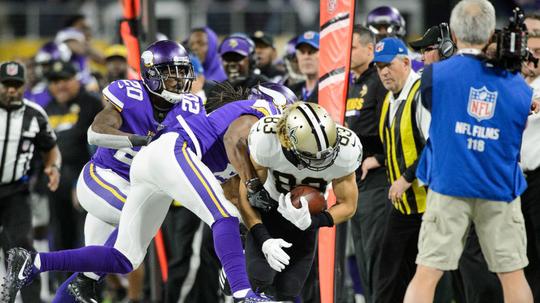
point(535, 106)
point(258, 196)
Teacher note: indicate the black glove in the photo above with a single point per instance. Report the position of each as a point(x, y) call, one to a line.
point(258, 196)
point(137, 140)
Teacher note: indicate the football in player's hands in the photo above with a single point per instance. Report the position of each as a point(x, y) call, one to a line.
point(314, 197)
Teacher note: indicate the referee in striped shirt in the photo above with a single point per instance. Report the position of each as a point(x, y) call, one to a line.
point(24, 127)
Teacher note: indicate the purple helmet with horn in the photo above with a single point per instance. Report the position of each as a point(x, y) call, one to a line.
point(279, 95)
point(163, 60)
point(386, 18)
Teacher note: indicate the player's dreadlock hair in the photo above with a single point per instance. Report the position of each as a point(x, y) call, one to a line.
point(224, 93)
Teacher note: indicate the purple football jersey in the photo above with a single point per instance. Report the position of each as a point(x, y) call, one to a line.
point(131, 99)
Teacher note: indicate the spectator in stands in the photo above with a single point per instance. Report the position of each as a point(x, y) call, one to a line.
point(71, 112)
point(290, 64)
point(116, 63)
point(473, 177)
point(237, 55)
point(307, 54)
point(77, 43)
point(204, 43)
point(265, 54)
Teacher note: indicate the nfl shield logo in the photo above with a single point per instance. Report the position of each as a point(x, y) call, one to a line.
point(481, 103)
point(12, 69)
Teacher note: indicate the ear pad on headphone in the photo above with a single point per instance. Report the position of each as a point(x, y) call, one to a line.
point(446, 47)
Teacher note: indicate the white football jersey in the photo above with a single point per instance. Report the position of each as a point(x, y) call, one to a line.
point(283, 175)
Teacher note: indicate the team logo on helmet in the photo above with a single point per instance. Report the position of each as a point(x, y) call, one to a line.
point(292, 135)
point(12, 69)
point(482, 103)
point(148, 58)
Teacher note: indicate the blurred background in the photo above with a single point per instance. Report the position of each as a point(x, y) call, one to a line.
point(26, 25)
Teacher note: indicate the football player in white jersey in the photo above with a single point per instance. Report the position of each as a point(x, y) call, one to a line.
point(304, 146)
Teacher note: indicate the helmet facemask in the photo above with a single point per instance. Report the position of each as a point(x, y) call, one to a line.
point(321, 161)
point(176, 79)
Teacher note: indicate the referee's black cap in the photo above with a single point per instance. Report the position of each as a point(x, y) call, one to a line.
point(431, 37)
point(12, 71)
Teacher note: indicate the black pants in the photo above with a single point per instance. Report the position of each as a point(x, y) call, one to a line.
point(16, 231)
point(398, 254)
point(288, 284)
point(472, 281)
point(530, 206)
point(367, 226)
point(179, 229)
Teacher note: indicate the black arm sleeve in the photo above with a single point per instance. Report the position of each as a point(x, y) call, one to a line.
point(45, 139)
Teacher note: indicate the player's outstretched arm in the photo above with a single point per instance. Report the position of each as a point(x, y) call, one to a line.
point(105, 132)
point(346, 193)
point(236, 146)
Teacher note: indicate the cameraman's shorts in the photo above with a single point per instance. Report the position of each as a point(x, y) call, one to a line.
point(500, 227)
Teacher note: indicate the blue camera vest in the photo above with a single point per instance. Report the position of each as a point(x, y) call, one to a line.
point(478, 117)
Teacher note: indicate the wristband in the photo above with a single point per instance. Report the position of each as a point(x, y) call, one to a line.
point(260, 234)
point(324, 219)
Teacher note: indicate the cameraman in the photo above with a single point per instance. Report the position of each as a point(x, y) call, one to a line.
point(469, 165)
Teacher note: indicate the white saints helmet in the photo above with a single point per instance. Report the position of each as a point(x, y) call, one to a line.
point(308, 131)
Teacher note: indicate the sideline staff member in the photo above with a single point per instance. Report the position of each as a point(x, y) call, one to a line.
point(402, 129)
point(23, 127)
point(470, 162)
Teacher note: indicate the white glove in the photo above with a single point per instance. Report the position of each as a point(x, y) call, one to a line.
point(276, 257)
point(300, 217)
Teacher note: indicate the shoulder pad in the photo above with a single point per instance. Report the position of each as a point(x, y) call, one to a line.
point(350, 150)
point(124, 93)
point(263, 141)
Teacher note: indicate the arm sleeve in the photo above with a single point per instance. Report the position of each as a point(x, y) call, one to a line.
point(423, 118)
point(46, 138)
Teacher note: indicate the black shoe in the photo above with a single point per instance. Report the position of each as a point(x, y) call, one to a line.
point(20, 272)
point(83, 289)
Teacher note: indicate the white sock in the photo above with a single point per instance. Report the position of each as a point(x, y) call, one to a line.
point(37, 262)
point(241, 293)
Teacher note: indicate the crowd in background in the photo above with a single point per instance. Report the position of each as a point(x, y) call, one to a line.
point(383, 234)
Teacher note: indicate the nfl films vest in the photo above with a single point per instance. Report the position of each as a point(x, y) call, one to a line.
point(478, 117)
point(402, 146)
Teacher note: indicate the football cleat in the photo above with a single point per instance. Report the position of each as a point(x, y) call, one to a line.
point(83, 289)
point(20, 272)
point(253, 297)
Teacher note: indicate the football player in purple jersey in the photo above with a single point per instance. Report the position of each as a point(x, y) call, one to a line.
point(169, 168)
point(133, 114)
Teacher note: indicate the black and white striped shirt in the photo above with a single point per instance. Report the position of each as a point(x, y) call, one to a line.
point(21, 131)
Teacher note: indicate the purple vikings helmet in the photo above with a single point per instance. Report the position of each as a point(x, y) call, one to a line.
point(280, 95)
point(163, 60)
point(386, 17)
